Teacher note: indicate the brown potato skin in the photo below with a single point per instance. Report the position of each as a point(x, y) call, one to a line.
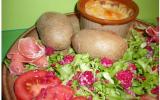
point(55, 30)
point(99, 44)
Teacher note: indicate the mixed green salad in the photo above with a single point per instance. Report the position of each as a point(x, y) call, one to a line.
point(132, 76)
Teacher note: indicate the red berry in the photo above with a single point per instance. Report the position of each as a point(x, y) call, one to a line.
point(86, 78)
point(150, 51)
point(69, 83)
point(132, 66)
point(130, 92)
point(53, 65)
point(106, 62)
point(66, 60)
point(140, 77)
point(143, 78)
point(155, 90)
point(149, 48)
point(148, 40)
point(97, 71)
point(49, 51)
point(125, 77)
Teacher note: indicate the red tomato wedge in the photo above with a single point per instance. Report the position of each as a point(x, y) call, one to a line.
point(30, 84)
point(59, 92)
point(148, 97)
point(79, 98)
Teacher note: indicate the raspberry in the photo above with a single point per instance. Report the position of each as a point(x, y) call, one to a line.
point(86, 78)
point(130, 92)
point(153, 32)
point(132, 66)
point(155, 90)
point(106, 62)
point(150, 51)
point(66, 60)
point(149, 48)
point(49, 51)
point(69, 83)
point(148, 40)
point(143, 78)
point(53, 65)
point(140, 77)
point(125, 77)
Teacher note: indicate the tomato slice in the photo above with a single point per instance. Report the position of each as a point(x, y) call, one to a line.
point(148, 97)
point(79, 98)
point(59, 92)
point(28, 85)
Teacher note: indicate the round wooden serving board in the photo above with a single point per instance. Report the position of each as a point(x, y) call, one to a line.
point(8, 79)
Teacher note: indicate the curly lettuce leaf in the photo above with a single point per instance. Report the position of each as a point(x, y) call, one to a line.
point(64, 71)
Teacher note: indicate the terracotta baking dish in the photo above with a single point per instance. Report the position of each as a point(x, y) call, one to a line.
point(120, 27)
point(129, 3)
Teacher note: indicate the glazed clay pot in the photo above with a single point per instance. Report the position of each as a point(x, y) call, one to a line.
point(120, 27)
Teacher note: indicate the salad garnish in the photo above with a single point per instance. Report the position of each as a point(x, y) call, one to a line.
point(132, 76)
